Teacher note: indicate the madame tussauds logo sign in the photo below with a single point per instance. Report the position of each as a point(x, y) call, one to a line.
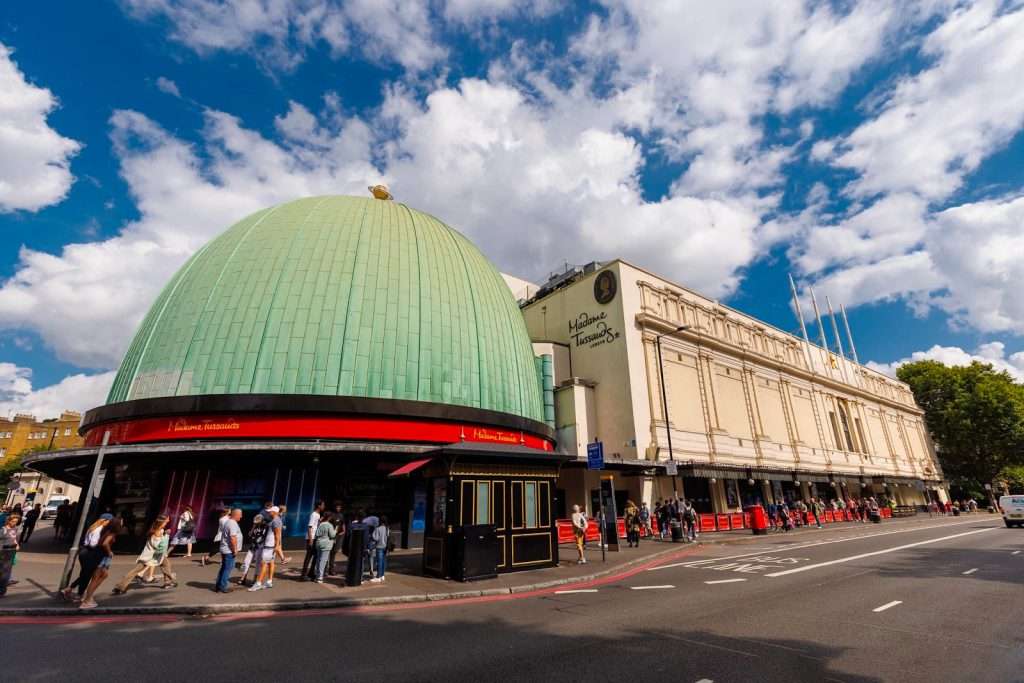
point(591, 330)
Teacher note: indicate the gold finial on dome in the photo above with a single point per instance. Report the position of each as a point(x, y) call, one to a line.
point(380, 191)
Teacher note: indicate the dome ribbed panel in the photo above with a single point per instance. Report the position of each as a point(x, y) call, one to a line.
point(337, 296)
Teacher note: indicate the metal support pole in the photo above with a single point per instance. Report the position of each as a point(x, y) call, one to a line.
point(846, 324)
point(803, 327)
point(69, 563)
point(664, 398)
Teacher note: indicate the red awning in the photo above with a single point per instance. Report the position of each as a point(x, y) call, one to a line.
point(409, 467)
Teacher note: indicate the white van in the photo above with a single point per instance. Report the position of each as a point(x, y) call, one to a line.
point(1013, 510)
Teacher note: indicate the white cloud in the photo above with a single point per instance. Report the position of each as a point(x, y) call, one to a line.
point(34, 158)
point(86, 302)
point(166, 85)
point(278, 33)
point(931, 129)
point(75, 392)
point(993, 353)
point(937, 126)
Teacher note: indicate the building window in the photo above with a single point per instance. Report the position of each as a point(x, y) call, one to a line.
point(835, 429)
point(3, 452)
point(67, 431)
point(844, 418)
point(860, 433)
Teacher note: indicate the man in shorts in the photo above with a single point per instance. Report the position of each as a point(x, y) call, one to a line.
point(265, 577)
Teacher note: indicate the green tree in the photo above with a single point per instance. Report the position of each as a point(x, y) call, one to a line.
point(9, 466)
point(975, 416)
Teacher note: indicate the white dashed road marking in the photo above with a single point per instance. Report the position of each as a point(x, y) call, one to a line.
point(887, 606)
point(1015, 552)
point(705, 680)
point(970, 571)
point(649, 588)
point(578, 590)
point(712, 583)
point(851, 558)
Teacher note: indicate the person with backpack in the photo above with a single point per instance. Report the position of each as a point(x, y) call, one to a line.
point(690, 521)
point(381, 541)
point(254, 540)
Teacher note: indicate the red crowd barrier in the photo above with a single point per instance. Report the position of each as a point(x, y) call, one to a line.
point(707, 522)
point(736, 520)
point(747, 520)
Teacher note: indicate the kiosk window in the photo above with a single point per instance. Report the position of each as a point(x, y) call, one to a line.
point(517, 504)
point(483, 502)
point(498, 499)
point(531, 504)
point(466, 505)
point(545, 504)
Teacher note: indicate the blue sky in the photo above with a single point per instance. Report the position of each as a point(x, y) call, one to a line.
point(874, 150)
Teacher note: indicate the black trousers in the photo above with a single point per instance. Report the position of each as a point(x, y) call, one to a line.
point(26, 532)
point(88, 560)
point(309, 561)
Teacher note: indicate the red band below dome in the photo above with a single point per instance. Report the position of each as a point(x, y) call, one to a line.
point(289, 426)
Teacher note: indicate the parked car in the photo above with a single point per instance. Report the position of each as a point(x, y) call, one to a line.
point(50, 509)
point(1013, 510)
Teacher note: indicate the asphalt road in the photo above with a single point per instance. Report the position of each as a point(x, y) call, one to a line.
point(936, 600)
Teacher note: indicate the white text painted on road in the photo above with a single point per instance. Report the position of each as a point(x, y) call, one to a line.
point(851, 558)
point(887, 606)
point(970, 571)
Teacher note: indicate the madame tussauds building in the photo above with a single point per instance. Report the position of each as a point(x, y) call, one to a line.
point(340, 349)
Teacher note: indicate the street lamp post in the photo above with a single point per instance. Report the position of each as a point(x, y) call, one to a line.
point(664, 398)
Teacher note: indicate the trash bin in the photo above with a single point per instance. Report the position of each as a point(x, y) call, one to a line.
point(356, 542)
point(758, 519)
point(677, 530)
point(876, 516)
point(956, 511)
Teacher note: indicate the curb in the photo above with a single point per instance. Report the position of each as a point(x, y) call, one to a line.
point(328, 603)
point(206, 610)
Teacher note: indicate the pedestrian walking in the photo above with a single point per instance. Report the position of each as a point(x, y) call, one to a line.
point(312, 524)
point(323, 542)
point(690, 521)
point(282, 524)
point(224, 514)
point(579, 530)
point(8, 550)
point(645, 519)
point(230, 544)
point(271, 544)
point(632, 515)
point(369, 556)
point(89, 557)
point(152, 556)
point(31, 517)
point(381, 545)
point(186, 533)
point(106, 550)
point(338, 519)
point(254, 551)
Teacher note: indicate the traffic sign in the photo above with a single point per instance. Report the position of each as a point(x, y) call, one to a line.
point(595, 456)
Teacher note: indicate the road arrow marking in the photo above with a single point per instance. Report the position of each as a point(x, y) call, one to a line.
point(887, 606)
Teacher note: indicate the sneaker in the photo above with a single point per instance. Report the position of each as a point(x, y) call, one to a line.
point(268, 584)
point(255, 587)
point(375, 580)
point(88, 604)
point(319, 580)
point(583, 561)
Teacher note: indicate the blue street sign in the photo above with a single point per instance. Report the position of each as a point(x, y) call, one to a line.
point(595, 456)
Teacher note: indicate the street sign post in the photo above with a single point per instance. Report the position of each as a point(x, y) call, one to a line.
point(595, 456)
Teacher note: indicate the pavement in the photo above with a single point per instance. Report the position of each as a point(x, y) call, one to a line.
point(911, 600)
point(42, 559)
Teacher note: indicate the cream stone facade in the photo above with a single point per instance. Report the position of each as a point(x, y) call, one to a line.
point(746, 402)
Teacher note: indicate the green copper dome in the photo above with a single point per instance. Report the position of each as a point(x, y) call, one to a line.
point(338, 296)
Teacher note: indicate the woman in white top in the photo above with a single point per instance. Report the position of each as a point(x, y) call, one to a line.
point(152, 555)
point(89, 557)
point(579, 530)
